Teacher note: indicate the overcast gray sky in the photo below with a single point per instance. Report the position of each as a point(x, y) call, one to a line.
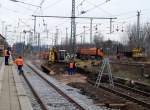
point(15, 13)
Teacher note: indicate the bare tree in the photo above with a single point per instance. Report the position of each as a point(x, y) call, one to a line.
point(147, 38)
point(141, 41)
point(98, 40)
point(134, 39)
point(132, 36)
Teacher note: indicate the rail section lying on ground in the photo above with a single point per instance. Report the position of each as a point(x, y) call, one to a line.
point(80, 101)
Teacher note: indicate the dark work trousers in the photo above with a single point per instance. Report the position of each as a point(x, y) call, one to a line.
point(19, 67)
point(20, 71)
point(6, 60)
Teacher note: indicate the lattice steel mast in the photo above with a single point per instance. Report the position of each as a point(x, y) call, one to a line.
point(73, 29)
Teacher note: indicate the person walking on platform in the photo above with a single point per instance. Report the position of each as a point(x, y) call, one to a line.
point(19, 62)
point(6, 54)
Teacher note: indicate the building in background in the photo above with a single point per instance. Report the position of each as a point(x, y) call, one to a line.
point(3, 44)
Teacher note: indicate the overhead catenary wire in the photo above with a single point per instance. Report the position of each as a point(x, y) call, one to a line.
point(53, 4)
point(125, 19)
point(85, 31)
point(24, 23)
point(128, 18)
point(81, 3)
point(95, 6)
point(28, 4)
point(14, 11)
point(42, 2)
point(130, 12)
point(39, 7)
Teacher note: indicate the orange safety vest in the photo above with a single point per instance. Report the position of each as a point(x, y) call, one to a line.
point(6, 53)
point(19, 61)
point(71, 65)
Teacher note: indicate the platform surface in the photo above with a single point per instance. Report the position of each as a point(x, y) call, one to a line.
point(12, 93)
point(8, 97)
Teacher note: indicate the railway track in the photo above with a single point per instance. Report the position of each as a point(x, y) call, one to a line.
point(33, 99)
point(134, 95)
point(146, 94)
point(51, 97)
point(130, 64)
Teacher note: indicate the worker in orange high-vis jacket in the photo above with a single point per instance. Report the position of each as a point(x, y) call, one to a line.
point(6, 54)
point(19, 62)
point(72, 68)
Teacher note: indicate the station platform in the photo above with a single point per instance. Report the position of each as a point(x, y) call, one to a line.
point(12, 92)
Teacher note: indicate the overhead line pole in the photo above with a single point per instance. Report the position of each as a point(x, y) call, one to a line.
point(73, 29)
point(34, 34)
point(84, 34)
point(138, 26)
point(34, 29)
point(66, 36)
point(91, 24)
point(110, 25)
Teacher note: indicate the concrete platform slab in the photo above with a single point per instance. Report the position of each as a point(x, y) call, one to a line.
point(8, 99)
point(12, 92)
point(1, 76)
point(22, 96)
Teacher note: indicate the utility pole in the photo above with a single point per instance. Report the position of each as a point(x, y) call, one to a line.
point(73, 29)
point(52, 39)
point(6, 31)
point(46, 34)
point(66, 36)
point(110, 25)
point(56, 37)
point(91, 23)
point(39, 44)
point(3, 22)
point(81, 39)
point(34, 33)
point(138, 27)
point(84, 34)
point(24, 43)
